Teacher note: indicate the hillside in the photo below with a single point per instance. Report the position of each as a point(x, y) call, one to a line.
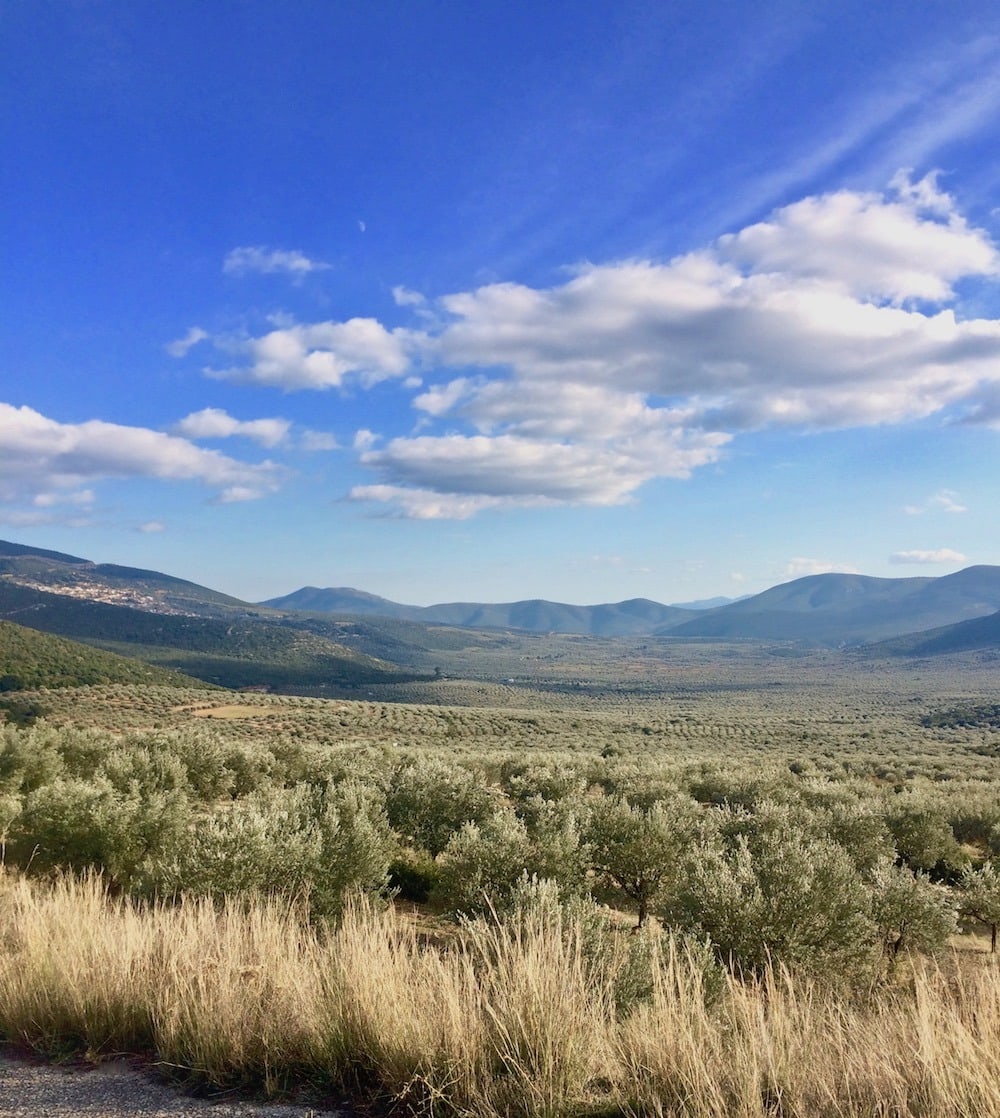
point(635, 617)
point(30, 660)
point(340, 632)
point(342, 600)
point(230, 652)
point(835, 609)
point(151, 591)
point(979, 634)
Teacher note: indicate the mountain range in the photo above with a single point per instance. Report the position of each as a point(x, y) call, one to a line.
point(827, 610)
point(319, 641)
point(630, 618)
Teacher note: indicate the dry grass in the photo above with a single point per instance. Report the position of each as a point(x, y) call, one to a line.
point(233, 711)
point(508, 1021)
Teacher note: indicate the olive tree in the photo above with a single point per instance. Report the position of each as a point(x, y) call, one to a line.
point(634, 851)
point(429, 800)
point(979, 898)
point(910, 911)
point(789, 898)
point(482, 864)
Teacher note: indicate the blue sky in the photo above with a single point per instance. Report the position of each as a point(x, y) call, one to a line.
point(492, 301)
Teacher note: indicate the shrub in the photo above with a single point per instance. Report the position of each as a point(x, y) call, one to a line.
point(788, 899)
point(910, 911)
point(429, 800)
point(634, 851)
point(482, 864)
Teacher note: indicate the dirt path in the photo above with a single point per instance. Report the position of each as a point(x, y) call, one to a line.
point(118, 1090)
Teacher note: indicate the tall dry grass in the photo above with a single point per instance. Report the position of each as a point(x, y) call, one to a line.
point(511, 1020)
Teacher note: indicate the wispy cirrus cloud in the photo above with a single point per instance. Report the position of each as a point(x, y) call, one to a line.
point(944, 500)
point(801, 566)
point(251, 259)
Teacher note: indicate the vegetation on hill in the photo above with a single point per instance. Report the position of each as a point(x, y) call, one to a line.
point(613, 877)
point(823, 610)
point(833, 609)
point(432, 907)
point(34, 660)
point(965, 636)
point(232, 652)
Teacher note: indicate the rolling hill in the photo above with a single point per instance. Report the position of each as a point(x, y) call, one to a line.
point(635, 617)
point(826, 610)
point(977, 635)
point(174, 624)
point(30, 659)
point(347, 635)
point(151, 591)
point(847, 609)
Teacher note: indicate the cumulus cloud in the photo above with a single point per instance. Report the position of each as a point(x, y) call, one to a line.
point(41, 458)
point(838, 310)
point(834, 312)
point(912, 247)
point(530, 470)
point(322, 355)
point(939, 555)
point(214, 423)
point(151, 527)
point(269, 261)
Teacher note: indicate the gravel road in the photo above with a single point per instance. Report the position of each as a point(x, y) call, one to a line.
point(118, 1090)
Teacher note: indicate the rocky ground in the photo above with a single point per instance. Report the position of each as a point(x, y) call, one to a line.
point(119, 1089)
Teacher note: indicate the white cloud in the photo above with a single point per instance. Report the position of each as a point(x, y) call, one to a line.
point(940, 555)
point(538, 471)
point(404, 297)
point(800, 566)
point(426, 504)
point(944, 500)
point(77, 497)
point(839, 310)
point(214, 423)
point(911, 247)
point(268, 261)
point(317, 441)
point(41, 457)
point(829, 314)
point(323, 355)
point(151, 527)
point(234, 494)
point(180, 347)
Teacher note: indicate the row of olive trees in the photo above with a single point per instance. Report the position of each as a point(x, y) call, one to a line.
point(823, 876)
